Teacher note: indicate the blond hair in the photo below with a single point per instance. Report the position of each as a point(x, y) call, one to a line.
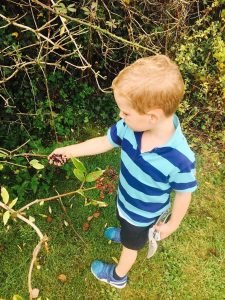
point(151, 82)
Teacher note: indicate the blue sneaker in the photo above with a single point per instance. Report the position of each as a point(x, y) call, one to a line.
point(104, 272)
point(113, 234)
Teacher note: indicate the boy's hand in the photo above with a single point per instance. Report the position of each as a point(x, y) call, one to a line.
point(165, 229)
point(58, 157)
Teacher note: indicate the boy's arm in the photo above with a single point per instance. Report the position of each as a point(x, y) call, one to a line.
point(180, 207)
point(90, 147)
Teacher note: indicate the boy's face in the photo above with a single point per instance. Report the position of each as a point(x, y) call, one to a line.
point(133, 119)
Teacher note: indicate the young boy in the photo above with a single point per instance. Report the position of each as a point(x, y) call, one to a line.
point(155, 159)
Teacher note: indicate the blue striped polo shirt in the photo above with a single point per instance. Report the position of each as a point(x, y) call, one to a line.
point(147, 179)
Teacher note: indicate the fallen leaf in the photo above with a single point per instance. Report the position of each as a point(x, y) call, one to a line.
point(115, 259)
point(21, 250)
point(16, 34)
point(96, 214)
point(31, 219)
point(49, 219)
point(62, 278)
point(86, 226)
point(2, 248)
point(90, 218)
point(66, 223)
point(35, 293)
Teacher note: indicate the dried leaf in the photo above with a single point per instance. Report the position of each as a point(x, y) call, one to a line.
point(43, 216)
point(90, 218)
point(49, 219)
point(35, 293)
point(16, 34)
point(96, 214)
point(62, 278)
point(86, 226)
point(115, 259)
point(66, 223)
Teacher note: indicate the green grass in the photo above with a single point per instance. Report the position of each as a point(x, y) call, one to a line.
point(188, 265)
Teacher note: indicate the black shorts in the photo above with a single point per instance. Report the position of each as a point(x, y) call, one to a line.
point(133, 237)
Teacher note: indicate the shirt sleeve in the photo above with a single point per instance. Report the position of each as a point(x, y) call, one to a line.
point(184, 179)
point(116, 133)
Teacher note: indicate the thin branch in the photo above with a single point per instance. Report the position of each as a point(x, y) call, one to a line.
point(52, 198)
point(36, 32)
point(95, 27)
point(9, 163)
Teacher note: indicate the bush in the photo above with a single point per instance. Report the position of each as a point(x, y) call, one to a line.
point(53, 77)
point(201, 57)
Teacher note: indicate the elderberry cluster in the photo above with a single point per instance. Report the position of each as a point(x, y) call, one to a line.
point(107, 183)
point(57, 159)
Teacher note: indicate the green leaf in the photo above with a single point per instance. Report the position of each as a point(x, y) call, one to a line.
point(94, 175)
point(79, 165)
point(71, 9)
point(1, 167)
point(6, 216)
point(71, 5)
point(79, 174)
point(5, 195)
point(34, 184)
point(31, 219)
point(13, 203)
point(17, 297)
point(36, 165)
point(3, 155)
point(99, 203)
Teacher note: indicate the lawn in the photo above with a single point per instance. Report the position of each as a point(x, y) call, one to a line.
point(188, 265)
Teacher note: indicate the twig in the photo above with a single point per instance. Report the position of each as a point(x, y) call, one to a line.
point(19, 147)
point(36, 32)
point(53, 198)
point(19, 216)
point(31, 154)
point(9, 163)
point(34, 257)
point(68, 218)
point(97, 28)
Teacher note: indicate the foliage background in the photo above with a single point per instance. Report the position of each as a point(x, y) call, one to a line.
point(56, 71)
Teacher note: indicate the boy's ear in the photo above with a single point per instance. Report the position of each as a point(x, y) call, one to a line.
point(154, 115)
